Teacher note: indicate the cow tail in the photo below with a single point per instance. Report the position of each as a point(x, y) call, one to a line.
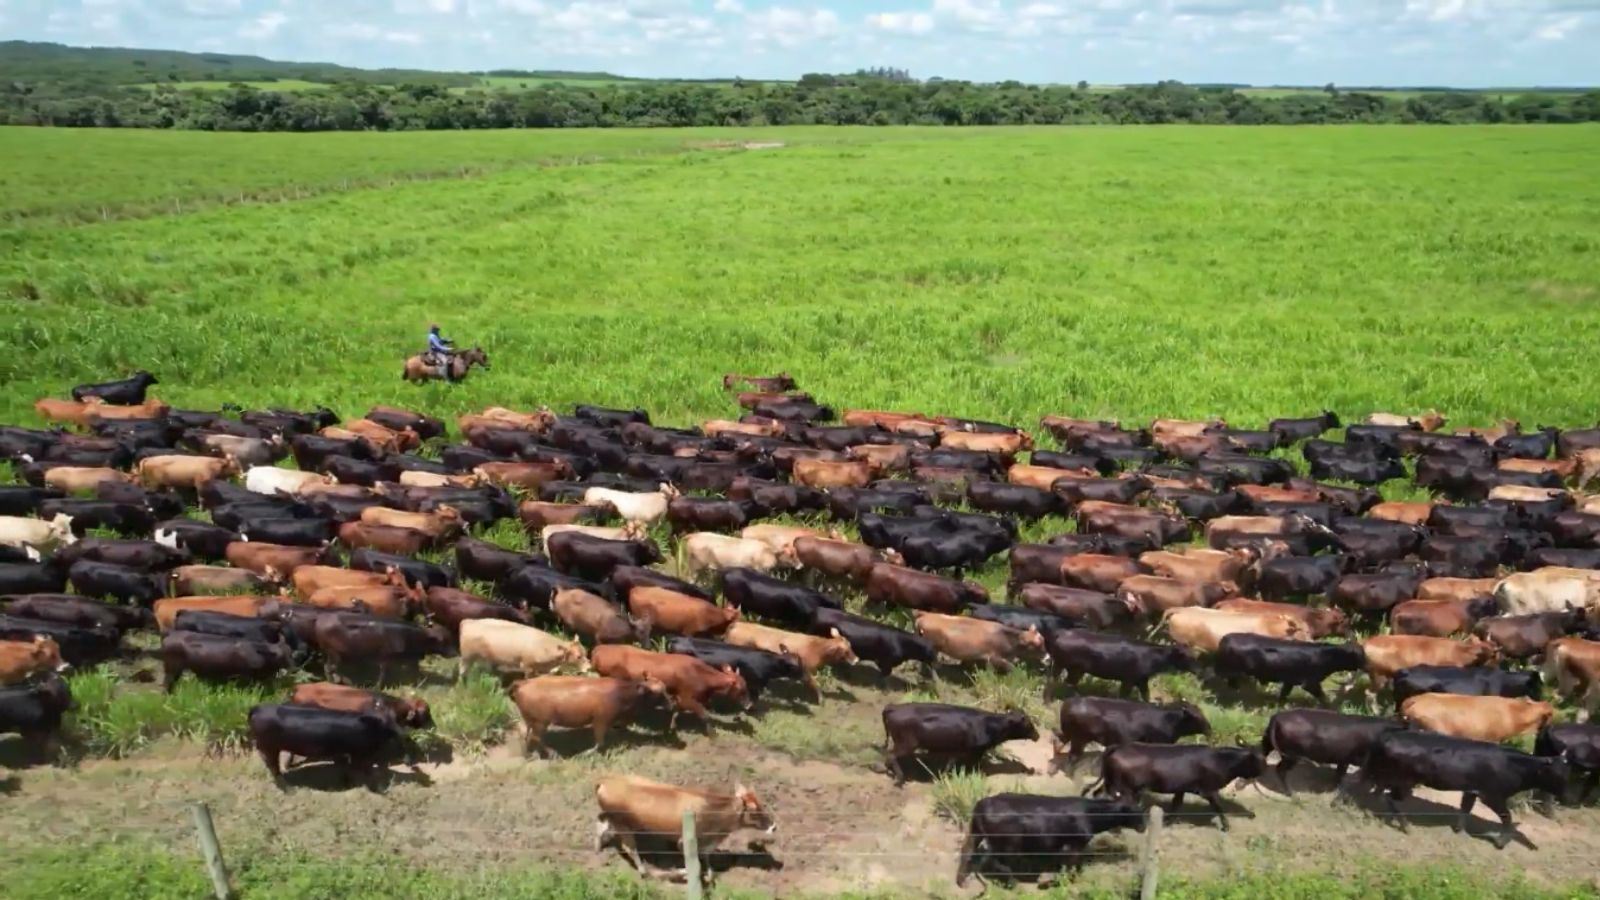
point(1269, 738)
point(964, 862)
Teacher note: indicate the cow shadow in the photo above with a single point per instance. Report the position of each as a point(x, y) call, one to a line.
point(1196, 812)
point(664, 853)
point(797, 695)
point(1418, 812)
point(570, 742)
point(334, 778)
point(1061, 870)
point(10, 783)
point(925, 770)
point(21, 754)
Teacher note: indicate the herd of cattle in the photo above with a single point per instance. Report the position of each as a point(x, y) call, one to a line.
point(1459, 596)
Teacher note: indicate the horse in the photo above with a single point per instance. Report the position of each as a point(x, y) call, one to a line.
point(460, 364)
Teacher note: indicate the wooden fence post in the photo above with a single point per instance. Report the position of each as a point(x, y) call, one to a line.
point(691, 857)
point(1149, 864)
point(211, 850)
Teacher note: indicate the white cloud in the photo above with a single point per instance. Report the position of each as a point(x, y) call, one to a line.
point(263, 26)
point(1558, 29)
point(727, 6)
point(789, 27)
point(902, 22)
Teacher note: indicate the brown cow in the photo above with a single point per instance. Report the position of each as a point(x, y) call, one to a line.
point(1041, 477)
point(180, 471)
point(385, 438)
point(1522, 637)
point(1153, 595)
point(67, 411)
point(1006, 445)
point(823, 473)
point(1185, 427)
point(384, 538)
point(578, 701)
point(841, 559)
point(268, 559)
point(20, 660)
point(1438, 618)
point(675, 613)
point(597, 618)
point(1062, 426)
point(813, 652)
point(1320, 623)
point(877, 418)
point(1456, 588)
point(1098, 571)
point(899, 586)
point(1202, 630)
point(689, 682)
point(1271, 493)
point(149, 409)
point(79, 479)
point(216, 579)
point(976, 640)
point(1563, 468)
point(1431, 420)
point(1397, 511)
point(762, 428)
point(1389, 653)
point(526, 475)
point(883, 458)
point(1199, 564)
point(384, 600)
point(1491, 719)
point(536, 516)
point(442, 524)
point(1576, 665)
point(307, 580)
point(631, 806)
point(412, 712)
point(167, 609)
point(451, 606)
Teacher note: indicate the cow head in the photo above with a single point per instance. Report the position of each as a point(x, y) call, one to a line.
point(668, 491)
point(732, 686)
point(1032, 640)
point(413, 712)
point(61, 528)
point(752, 814)
point(1016, 725)
point(1190, 720)
point(835, 649)
point(1243, 762)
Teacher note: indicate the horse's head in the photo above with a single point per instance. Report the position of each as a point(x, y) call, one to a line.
point(476, 356)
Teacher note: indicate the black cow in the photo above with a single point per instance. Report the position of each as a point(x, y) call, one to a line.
point(462, 458)
point(339, 509)
point(212, 656)
point(1298, 576)
point(1083, 608)
point(203, 539)
point(1073, 461)
point(1073, 491)
point(851, 503)
point(872, 642)
point(1008, 829)
point(360, 740)
point(1552, 556)
point(123, 518)
point(1385, 435)
point(483, 561)
point(19, 442)
point(1471, 681)
point(128, 391)
point(312, 451)
point(778, 498)
point(1529, 445)
point(1127, 661)
point(1402, 760)
point(1246, 469)
point(307, 532)
point(1328, 738)
point(1177, 769)
point(162, 504)
point(1019, 617)
point(416, 571)
point(773, 598)
point(948, 733)
point(81, 646)
point(363, 639)
point(357, 471)
point(757, 667)
point(47, 577)
point(34, 710)
point(1463, 556)
point(1112, 723)
point(1109, 544)
point(233, 516)
point(1292, 431)
point(81, 612)
point(289, 421)
point(1194, 503)
point(1576, 745)
point(1287, 663)
point(533, 586)
point(127, 585)
point(610, 418)
point(625, 578)
point(146, 556)
point(250, 628)
point(22, 500)
point(594, 558)
point(1374, 594)
point(689, 514)
point(1013, 499)
point(958, 550)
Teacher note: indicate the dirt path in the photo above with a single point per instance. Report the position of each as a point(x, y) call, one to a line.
point(841, 827)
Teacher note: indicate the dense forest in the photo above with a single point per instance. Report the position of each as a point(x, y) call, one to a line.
point(49, 84)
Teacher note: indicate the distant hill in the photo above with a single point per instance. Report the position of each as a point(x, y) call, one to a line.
point(31, 61)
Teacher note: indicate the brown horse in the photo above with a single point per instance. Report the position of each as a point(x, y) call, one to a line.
point(460, 364)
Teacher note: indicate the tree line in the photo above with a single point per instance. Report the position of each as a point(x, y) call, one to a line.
point(868, 98)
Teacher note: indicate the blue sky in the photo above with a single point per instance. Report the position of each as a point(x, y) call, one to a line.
point(1351, 42)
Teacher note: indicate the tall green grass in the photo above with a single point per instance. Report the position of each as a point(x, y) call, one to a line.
point(113, 718)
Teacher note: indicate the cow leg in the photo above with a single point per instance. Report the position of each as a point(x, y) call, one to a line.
point(269, 755)
point(533, 738)
point(1589, 786)
point(1508, 828)
point(383, 670)
point(1216, 807)
point(170, 676)
point(1074, 756)
point(811, 682)
point(1468, 801)
point(1176, 804)
point(602, 832)
point(1285, 763)
point(630, 851)
point(1339, 773)
point(1390, 801)
point(1283, 691)
point(601, 726)
point(1314, 688)
point(1144, 690)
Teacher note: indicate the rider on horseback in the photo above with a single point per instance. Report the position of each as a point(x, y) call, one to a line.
point(440, 351)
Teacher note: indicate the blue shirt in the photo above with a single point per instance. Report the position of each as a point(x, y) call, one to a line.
point(437, 344)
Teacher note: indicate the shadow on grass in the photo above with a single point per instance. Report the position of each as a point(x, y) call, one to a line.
point(1417, 812)
point(329, 777)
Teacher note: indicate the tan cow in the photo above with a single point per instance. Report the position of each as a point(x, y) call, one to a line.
point(1456, 588)
point(385, 438)
point(1550, 589)
point(706, 551)
point(1097, 571)
point(1271, 493)
point(1005, 444)
point(1200, 564)
point(675, 613)
point(181, 471)
point(385, 600)
point(1389, 653)
point(1563, 468)
point(267, 560)
point(528, 476)
point(412, 478)
point(1588, 466)
point(578, 701)
point(1438, 618)
point(149, 409)
point(194, 580)
point(690, 683)
point(1153, 595)
point(971, 640)
point(273, 480)
point(1202, 630)
point(167, 608)
point(510, 647)
point(632, 806)
point(81, 479)
point(1432, 420)
point(1492, 719)
point(1516, 493)
point(823, 473)
point(883, 458)
point(66, 411)
point(1575, 663)
point(18, 531)
point(841, 559)
point(1319, 623)
point(633, 531)
point(1041, 477)
point(812, 651)
point(1185, 427)
point(20, 660)
point(762, 428)
point(442, 524)
point(1398, 511)
point(539, 420)
point(781, 538)
point(309, 579)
